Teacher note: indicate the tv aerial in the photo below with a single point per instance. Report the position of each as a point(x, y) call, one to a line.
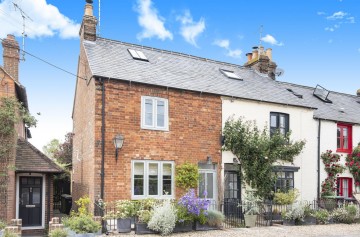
point(279, 72)
point(24, 35)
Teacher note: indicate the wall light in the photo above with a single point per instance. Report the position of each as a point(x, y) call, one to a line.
point(118, 143)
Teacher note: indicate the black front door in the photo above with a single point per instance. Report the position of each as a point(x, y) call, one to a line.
point(30, 203)
point(232, 191)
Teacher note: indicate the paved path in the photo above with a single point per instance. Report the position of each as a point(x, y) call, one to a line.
point(334, 230)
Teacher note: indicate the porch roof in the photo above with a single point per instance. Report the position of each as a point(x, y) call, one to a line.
point(30, 159)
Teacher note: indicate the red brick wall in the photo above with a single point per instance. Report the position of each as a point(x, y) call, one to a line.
point(83, 129)
point(194, 132)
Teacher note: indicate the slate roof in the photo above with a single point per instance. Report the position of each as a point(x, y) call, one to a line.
point(111, 59)
point(30, 159)
point(350, 104)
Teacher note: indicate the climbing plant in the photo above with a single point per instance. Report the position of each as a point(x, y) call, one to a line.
point(258, 151)
point(187, 176)
point(11, 112)
point(332, 168)
point(353, 164)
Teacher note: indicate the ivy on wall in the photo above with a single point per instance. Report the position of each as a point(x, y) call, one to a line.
point(187, 176)
point(258, 151)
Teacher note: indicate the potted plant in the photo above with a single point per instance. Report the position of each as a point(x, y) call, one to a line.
point(83, 225)
point(143, 216)
point(293, 215)
point(251, 206)
point(309, 215)
point(322, 216)
point(125, 210)
point(215, 219)
point(184, 220)
point(196, 208)
point(163, 218)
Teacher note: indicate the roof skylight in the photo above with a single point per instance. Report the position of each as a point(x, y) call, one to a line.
point(322, 94)
point(139, 55)
point(230, 74)
point(295, 94)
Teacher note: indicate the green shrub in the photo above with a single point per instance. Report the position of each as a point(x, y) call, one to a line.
point(2, 224)
point(187, 176)
point(215, 218)
point(163, 218)
point(58, 233)
point(8, 233)
point(83, 224)
point(83, 207)
point(286, 198)
point(322, 216)
point(346, 214)
point(144, 216)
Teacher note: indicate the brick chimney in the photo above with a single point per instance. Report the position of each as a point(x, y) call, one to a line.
point(88, 26)
point(261, 61)
point(11, 56)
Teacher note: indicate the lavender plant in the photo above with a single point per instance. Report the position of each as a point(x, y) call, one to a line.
point(196, 207)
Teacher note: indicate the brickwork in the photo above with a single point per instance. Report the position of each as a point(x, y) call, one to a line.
point(83, 129)
point(11, 56)
point(194, 132)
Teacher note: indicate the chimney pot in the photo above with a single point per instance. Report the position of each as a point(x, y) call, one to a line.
point(249, 56)
point(88, 9)
point(269, 54)
point(255, 54)
point(261, 50)
point(358, 92)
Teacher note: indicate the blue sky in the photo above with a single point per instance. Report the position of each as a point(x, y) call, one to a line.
point(314, 41)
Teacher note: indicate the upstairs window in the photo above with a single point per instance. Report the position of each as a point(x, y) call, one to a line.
point(230, 74)
point(344, 138)
point(279, 122)
point(154, 113)
point(137, 54)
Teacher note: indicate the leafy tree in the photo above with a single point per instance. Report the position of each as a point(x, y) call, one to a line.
point(64, 152)
point(51, 148)
point(258, 151)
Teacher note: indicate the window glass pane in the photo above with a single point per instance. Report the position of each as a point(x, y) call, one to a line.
point(167, 177)
point(160, 113)
point(160, 120)
point(138, 178)
point(25, 196)
point(338, 132)
point(345, 132)
point(346, 146)
point(201, 185)
point(148, 112)
point(36, 194)
point(273, 122)
point(30, 180)
point(23, 180)
point(282, 121)
point(153, 179)
point(38, 181)
point(282, 131)
point(338, 143)
point(210, 185)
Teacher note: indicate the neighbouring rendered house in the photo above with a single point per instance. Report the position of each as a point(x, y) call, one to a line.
point(26, 190)
point(169, 108)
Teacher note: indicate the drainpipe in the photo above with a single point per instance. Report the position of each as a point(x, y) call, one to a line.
point(102, 139)
point(318, 161)
point(48, 199)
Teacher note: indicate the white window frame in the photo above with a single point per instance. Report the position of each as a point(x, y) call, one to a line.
point(213, 200)
point(160, 179)
point(154, 114)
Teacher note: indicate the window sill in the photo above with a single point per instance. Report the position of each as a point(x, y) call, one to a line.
point(156, 129)
point(344, 151)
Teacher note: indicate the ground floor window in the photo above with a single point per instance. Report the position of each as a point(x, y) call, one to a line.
point(208, 182)
point(284, 178)
point(152, 179)
point(344, 187)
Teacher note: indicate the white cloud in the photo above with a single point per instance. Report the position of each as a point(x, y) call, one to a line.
point(271, 40)
point(47, 20)
point(234, 53)
point(151, 22)
point(337, 15)
point(329, 29)
point(351, 20)
point(190, 30)
point(225, 44)
point(321, 13)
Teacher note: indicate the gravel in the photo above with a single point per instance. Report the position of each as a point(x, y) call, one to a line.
point(335, 230)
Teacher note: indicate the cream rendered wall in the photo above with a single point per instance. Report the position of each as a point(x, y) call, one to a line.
point(302, 125)
point(328, 142)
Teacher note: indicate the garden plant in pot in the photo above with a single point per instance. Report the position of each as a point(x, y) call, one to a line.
point(143, 216)
point(322, 216)
point(294, 215)
point(251, 208)
point(309, 215)
point(125, 210)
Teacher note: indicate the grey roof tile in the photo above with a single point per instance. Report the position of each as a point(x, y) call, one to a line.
point(329, 111)
point(111, 59)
